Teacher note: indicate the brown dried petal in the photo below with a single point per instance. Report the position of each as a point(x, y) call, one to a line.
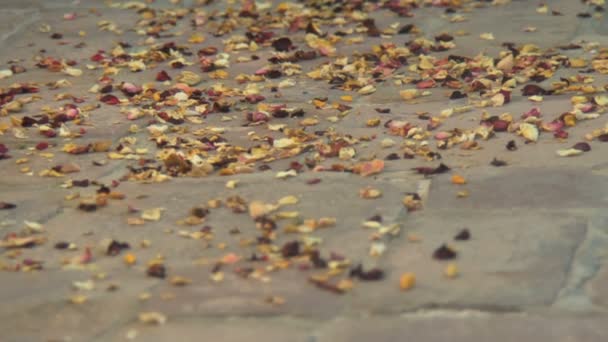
point(6, 205)
point(444, 253)
point(163, 76)
point(582, 146)
point(371, 275)
point(511, 146)
point(283, 44)
point(290, 249)
point(406, 29)
point(533, 89)
point(88, 207)
point(325, 285)
point(157, 271)
point(383, 110)
point(110, 99)
point(500, 125)
point(498, 163)
point(115, 247)
point(463, 235)
point(424, 170)
point(199, 212)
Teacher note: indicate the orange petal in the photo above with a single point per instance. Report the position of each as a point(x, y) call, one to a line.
point(457, 179)
point(371, 168)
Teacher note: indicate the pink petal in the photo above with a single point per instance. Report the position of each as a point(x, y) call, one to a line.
point(534, 112)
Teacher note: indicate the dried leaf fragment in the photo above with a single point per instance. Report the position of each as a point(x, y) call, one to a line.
point(487, 36)
point(153, 214)
point(368, 89)
point(189, 77)
point(370, 193)
point(287, 200)
point(259, 209)
point(412, 202)
point(180, 281)
point(409, 94)
point(24, 242)
point(369, 168)
point(326, 285)
point(78, 299)
point(152, 317)
point(569, 152)
point(231, 184)
point(529, 131)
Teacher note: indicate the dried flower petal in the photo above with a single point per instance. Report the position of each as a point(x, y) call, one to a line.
point(498, 163)
point(463, 235)
point(424, 170)
point(6, 205)
point(407, 281)
point(582, 146)
point(283, 44)
point(457, 179)
point(370, 193)
point(156, 270)
point(162, 76)
point(444, 252)
point(369, 168)
point(529, 131)
point(370, 275)
point(451, 271)
point(110, 99)
point(154, 318)
point(569, 152)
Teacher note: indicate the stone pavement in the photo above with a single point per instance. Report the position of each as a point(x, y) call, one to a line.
point(535, 267)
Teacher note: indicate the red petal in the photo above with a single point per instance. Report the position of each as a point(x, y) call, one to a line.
point(426, 84)
point(42, 146)
point(535, 112)
point(163, 76)
point(560, 134)
point(98, 57)
point(110, 99)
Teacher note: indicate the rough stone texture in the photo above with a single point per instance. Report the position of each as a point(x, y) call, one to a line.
point(467, 326)
point(535, 268)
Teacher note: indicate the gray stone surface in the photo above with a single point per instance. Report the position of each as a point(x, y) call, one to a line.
point(535, 268)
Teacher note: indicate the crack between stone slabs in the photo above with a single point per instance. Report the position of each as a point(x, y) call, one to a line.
point(46, 218)
point(33, 14)
point(570, 266)
point(52, 215)
point(422, 310)
point(584, 264)
point(480, 308)
point(119, 323)
point(318, 325)
point(343, 177)
point(523, 210)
